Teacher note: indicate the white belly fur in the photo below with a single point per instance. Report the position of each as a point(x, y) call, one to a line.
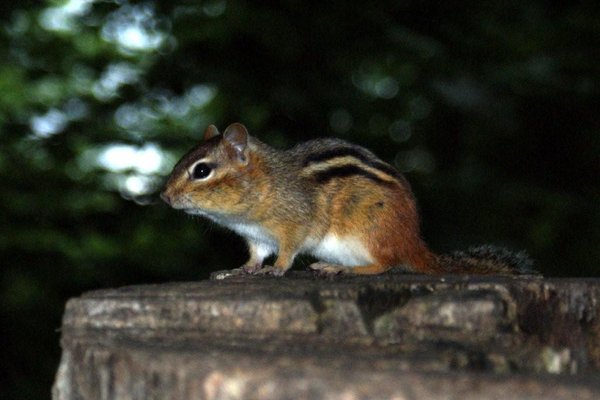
point(346, 251)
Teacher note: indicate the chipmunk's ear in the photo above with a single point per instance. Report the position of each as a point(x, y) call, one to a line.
point(210, 132)
point(235, 140)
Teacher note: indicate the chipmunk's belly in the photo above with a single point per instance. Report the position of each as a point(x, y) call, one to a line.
point(346, 251)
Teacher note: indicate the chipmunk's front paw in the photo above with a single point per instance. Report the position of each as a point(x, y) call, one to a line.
point(251, 268)
point(324, 268)
point(270, 270)
point(228, 273)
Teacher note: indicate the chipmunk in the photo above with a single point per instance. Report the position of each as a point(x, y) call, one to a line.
point(326, 197)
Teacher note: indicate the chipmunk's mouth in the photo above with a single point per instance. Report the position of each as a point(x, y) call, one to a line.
point(193, 211)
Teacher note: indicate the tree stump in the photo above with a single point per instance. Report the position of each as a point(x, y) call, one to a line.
point(392, 336)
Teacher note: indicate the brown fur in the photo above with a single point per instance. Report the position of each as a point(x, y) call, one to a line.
point(285, 199)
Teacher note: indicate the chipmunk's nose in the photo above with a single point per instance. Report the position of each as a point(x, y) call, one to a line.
point(165, 197)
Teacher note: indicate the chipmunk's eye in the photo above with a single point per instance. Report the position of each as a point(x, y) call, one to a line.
point(201, 171)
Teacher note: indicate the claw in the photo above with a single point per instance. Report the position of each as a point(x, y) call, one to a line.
point(270, 270)
point(220, 275)
point(251, 268)
point(324, 268)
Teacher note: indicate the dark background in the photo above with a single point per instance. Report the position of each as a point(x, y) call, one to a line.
point(490, 108)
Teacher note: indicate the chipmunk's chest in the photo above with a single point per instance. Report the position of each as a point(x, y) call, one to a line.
point(248, 230)
point(251, 231)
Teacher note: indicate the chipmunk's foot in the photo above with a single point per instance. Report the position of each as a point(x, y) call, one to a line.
point(269, 270)
point(228, 273)
point(323, 268)
point(251, 268)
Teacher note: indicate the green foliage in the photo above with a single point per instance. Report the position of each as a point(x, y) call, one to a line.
point(489, 108)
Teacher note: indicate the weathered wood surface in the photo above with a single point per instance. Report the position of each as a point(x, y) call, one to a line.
point(390, 337)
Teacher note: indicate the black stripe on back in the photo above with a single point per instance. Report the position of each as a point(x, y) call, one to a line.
point(352, 152)
point(334, 153)
point(345, 171)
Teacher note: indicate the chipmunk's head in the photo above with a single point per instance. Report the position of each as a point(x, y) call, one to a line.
point(212, 178)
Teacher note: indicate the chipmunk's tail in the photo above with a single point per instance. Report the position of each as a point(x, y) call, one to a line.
point(487, 260)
